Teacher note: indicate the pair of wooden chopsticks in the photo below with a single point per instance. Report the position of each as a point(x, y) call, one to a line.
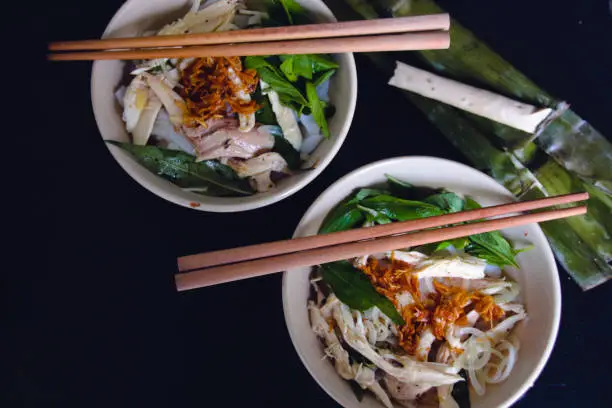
point(417, 33)
point(217, 267)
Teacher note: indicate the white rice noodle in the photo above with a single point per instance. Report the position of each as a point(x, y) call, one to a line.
point(501, 370)
point(470, 99)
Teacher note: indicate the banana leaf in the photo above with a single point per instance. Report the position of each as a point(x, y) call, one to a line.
point(566, 156)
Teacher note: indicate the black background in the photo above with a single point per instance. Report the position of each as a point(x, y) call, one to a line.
point(93, 319)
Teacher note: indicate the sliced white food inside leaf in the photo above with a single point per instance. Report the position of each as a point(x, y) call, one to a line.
point(480, 102)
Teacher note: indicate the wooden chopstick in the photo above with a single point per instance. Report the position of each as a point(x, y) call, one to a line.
point(245, 253)
point(343, 29)
point(263, 266)
point(372, 43)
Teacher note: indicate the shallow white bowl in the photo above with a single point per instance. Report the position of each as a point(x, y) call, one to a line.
point(537, 277)
point(136, 16)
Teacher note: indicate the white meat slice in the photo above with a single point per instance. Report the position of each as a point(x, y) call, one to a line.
point(402, 391)
point(411, 371)
point(501, 330)
point(446, 266)
point(266, 162)
point(333, 347)
point(425, 341)
point(230, 142)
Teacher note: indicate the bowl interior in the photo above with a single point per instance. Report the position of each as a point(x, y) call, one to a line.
point(137, 16)
point(540, 288)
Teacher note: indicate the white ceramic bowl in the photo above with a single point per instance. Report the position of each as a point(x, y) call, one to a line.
point(138, 15)
point(537, 277)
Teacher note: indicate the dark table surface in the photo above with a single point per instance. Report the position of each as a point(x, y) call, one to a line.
point(97, 322)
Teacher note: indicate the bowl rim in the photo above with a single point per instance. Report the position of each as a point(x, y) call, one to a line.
point(256, 201)
point(529, 381)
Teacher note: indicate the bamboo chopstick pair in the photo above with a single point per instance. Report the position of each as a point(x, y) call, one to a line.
point(217, 267)
point(390, 34)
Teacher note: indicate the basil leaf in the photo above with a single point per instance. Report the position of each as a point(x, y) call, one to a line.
point(461, 391)
point(493, 248)
point(357, 390)
point(295, 66)
point(318, 113)
point(265, 115)
point(181, 169)
point(285, 89)
point(285, 12)
point(447, 201)
point(344, 217)
point(354, 289)
point(374, 216)
point(285, 149)
point(365, 193)
point(470, 204)
point(291, 7)
point(398, 182)
point(287, 68)
point(323, 77)
point(407, 191)
point(259, 62)
point(399, 209)
point(321, 63)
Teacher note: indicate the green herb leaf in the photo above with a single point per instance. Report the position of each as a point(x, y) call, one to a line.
point(265, 115)
point(295, 66)
point(399, 209)
point(354, 289)
point(447, 201)
point(259, 62)
point(181, 169)
point(374, 216)
point(285, 12)
point(286, 90)
point(470, 204)
point(320, 63)
point(365, 193)
point(461, 391)
point(323, 77)
point(407, 191)
point(318, 113)
point(285, 149)
point(342, 218)
point(287, 68)
point(357, 390)
point(398, 182)
point(493, 248)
